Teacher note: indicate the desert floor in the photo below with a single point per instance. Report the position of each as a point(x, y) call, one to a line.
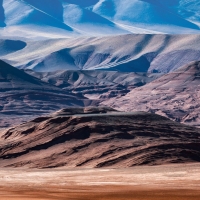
point(169, 182)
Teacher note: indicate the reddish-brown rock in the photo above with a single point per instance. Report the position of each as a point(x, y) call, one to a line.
point(175, 95)
point(98, 138)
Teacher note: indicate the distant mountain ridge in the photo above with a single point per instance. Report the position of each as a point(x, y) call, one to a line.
point(25, 94)
point(126, 53)
point(69, 18)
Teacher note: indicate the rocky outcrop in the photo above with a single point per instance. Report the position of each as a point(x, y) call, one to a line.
point(98, 137)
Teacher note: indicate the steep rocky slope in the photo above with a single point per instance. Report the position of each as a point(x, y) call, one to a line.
point(23, 96)
point(98, 138)
point(174, 95)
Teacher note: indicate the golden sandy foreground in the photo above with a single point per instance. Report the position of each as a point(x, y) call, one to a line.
point(170, 182)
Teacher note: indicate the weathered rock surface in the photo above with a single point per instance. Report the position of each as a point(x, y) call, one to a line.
point(98, 138)
point(174, 95)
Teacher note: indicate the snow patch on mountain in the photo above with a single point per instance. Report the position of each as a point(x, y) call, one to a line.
point(146, 13)
point(52, 7)
point(88, 22)
point(36, 20)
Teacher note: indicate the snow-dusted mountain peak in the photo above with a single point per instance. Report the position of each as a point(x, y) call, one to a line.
point(72, 18)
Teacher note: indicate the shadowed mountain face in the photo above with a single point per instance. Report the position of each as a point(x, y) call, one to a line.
point(98, 138)
point(52, 7)
point(10, 46)
point(174, 95)
point(14, 79)
point(186, 9)
point(2, 16)
point(53, 19)
point(173, 11)
point(23, 96)
point(82, 3)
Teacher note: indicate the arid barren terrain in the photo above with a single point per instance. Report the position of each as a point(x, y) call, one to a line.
point(99, 100)
point(174, 182)
point(99, 153)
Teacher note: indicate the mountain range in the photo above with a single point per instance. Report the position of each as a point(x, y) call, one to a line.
point(125, 53)
point(26, 94)
point(67, 18)
point(94, 93)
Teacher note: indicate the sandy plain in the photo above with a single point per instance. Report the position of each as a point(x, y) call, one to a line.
point(174, 182)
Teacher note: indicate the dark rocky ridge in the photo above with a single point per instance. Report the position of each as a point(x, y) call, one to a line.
point(27, 94)
point(96, 84)
point(102, 139)
point(23, 96)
